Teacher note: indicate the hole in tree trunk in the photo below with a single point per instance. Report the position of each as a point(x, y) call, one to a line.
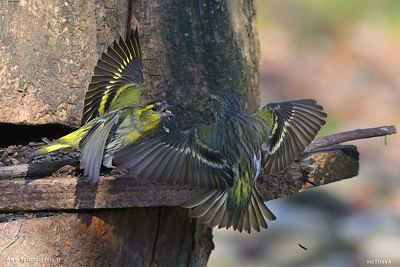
point(12, 134)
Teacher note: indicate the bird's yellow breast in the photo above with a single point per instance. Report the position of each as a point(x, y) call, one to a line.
point(132, 136)
point(152, 122)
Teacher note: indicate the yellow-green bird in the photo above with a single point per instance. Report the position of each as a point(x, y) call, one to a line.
point(227, 157)
point(112, 117)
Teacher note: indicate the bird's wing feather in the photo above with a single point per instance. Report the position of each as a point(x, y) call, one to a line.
point(183, 157)
point(292, 125)
point(92, 145)
point(117, 79)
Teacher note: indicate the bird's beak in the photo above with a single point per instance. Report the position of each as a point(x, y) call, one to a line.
point(165, 112)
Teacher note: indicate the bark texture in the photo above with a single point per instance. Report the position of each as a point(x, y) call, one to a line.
point(48, 51)
point(192, 48)
point(113, 238)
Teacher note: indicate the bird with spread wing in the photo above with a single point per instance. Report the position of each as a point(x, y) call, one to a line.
point(226, 158)
point(112, 116)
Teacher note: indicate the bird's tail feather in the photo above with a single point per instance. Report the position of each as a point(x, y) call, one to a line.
point(47, 149)
point(219, 207)
point(70, 140)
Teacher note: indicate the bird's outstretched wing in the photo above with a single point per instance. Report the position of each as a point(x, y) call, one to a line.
point(93, 142)
point(117, 79)
point(183, 157)
point(292, 126)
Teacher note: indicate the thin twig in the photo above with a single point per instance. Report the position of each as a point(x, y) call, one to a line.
point(349, 136)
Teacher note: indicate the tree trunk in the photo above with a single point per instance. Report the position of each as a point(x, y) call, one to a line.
point(162, 236)
point(48, 52)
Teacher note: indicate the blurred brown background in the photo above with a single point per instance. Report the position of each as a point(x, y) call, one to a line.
point(346, 55)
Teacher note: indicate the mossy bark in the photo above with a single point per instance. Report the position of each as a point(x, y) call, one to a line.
point(192, 48)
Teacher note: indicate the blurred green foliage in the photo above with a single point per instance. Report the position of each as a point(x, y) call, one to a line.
point(312, 20)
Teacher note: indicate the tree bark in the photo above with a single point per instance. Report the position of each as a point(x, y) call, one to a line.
point(190, 49)
point(118, 237)
point(193, 48)
point(48, 50)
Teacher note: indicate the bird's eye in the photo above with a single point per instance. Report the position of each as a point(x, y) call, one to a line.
point(154, 108)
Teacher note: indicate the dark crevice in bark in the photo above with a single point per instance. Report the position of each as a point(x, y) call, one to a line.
point(12, 134)
point(130, 15)
point(156, 238)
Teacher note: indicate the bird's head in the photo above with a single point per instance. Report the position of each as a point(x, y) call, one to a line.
point(152, 113)
point(223, 104)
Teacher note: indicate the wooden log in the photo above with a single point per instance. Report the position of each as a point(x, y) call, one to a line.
point(66, 192)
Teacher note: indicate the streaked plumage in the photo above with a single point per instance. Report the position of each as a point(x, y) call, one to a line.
point(226, 158)
point(117, 80)
point(112, 115)
point(103, 136)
